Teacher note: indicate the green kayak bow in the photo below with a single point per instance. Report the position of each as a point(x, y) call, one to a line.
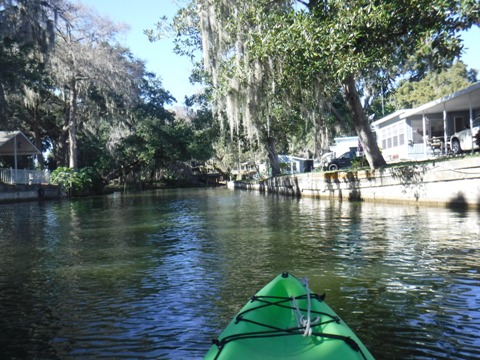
point(285, 320)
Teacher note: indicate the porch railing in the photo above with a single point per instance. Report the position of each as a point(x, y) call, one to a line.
point(22, 176)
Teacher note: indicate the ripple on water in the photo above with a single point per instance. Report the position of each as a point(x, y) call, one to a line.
point(158, 275)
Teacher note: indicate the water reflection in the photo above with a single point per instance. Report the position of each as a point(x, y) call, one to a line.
point(158, 274)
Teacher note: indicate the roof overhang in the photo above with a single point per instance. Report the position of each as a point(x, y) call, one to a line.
point(461, 100)
point(16, 143)
point(389, 117)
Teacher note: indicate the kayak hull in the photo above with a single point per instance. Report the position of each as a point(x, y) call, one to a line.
point(285, 320)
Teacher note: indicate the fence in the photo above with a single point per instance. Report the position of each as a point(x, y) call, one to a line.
point(18, 176)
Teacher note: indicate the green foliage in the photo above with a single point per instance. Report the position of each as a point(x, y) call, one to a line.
point(348, 44)
point(359, 162)
point(290, 62)
point(92, 149)
point(122, 128)
point(365, 37)
point(276, 69)
point(72, 181)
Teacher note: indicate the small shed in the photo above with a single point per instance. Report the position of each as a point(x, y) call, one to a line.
point(295, 164)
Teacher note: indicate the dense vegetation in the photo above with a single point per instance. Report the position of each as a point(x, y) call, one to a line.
point(280, 77)
point(288, 69)
point(87, 102)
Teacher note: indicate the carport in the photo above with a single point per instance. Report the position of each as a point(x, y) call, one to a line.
point(467, 100)
point(410, 134)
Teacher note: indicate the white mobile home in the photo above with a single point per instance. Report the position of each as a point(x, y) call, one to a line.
point(418, 133)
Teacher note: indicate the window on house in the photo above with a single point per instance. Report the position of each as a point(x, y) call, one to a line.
point(393, 136)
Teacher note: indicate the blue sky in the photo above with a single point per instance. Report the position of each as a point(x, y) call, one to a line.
point(175, 70)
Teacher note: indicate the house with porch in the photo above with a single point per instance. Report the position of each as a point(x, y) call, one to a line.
point(425, 131)
point(15, 145)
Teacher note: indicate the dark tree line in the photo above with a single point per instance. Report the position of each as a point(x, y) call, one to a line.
point(85, 100)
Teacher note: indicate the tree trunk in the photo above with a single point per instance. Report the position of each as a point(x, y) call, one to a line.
point(3, 107)
point(270, 146)
point(362, 126)
point(38, 140)
point(72, 131)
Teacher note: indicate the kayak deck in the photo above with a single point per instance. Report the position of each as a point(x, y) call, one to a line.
point(285, 320)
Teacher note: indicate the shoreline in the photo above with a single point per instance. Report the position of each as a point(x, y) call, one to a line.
point(453, 183)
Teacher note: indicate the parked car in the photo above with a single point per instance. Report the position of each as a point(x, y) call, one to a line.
point(344, 161)
point(463, 140)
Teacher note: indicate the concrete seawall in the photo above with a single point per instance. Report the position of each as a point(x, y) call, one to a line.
point(17, 193)
point(452, 183)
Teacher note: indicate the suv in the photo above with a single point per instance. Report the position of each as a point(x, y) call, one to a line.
point(463, 140)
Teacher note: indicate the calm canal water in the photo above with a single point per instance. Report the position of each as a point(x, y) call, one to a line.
point(157, 275)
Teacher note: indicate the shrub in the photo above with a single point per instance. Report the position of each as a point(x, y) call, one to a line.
point(73, 182)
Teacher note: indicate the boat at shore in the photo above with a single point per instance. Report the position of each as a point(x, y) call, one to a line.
point(285, 320)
